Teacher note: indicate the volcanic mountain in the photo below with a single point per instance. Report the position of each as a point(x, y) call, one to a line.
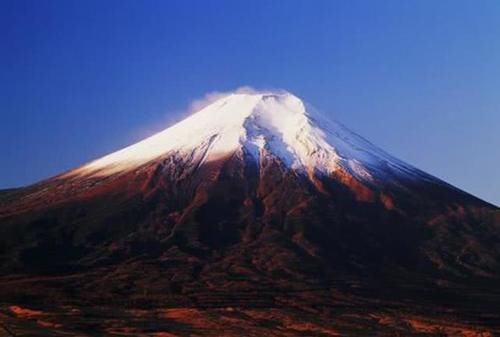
point(257, 203)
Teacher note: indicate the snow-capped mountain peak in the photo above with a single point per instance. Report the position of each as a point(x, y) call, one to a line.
point(262, 124)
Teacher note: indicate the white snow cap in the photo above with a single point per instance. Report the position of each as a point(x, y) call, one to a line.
point(264, 123)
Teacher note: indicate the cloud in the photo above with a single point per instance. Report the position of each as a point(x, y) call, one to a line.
point(209, 98)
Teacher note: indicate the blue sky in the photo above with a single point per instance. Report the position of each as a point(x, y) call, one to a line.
point(418, 78)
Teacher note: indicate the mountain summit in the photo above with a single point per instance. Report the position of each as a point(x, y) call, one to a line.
point(261, 125)
point(255, 201)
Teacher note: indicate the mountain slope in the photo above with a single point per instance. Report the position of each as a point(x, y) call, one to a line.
point(254, 201)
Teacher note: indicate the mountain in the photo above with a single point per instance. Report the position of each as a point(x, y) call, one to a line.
point(258, 210)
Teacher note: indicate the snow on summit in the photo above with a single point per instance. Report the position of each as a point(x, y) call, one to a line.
point(261, 124)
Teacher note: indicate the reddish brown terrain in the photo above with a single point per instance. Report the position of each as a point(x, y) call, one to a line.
point(179, 246)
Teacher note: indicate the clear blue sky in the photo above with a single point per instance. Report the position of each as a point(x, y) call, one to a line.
point(419, 78)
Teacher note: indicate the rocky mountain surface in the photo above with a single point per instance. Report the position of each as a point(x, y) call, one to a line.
point(257, 211)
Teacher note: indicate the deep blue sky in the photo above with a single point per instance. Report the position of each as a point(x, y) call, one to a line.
point(421, 79)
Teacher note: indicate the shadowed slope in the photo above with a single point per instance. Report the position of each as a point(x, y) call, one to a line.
point(316, 220)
